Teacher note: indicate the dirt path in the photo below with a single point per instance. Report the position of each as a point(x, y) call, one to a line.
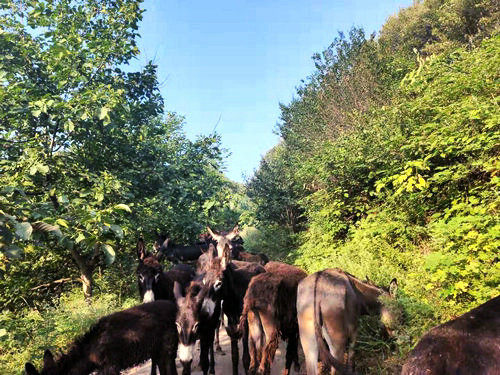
point(223, 365)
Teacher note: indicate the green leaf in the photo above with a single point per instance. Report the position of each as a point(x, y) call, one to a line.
point(62, 223)
point(122, 207)
point(43, 169)
point(13, 252)
point(36, 112)
point(24, 230)
point(69, 125)
point(33, 170)
point(104, 113)
point(117, 230)
point(109, 253)
point(80, 237)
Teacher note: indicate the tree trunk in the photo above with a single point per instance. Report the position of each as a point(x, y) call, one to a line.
point(86, 268)
point(87, 282)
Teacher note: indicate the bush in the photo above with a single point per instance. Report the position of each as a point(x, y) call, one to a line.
point(274, 241)
point(26, 334)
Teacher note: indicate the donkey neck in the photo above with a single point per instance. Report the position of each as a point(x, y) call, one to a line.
point(75, 362)
point(368, 294)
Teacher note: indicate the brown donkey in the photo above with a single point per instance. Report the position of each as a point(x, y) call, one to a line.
point(120, 340)
point(269, 309)
point(329, 304)
point(229, 281)
point(469, 344)
point(224, 239)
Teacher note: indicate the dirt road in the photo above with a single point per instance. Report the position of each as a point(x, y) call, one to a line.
point(223, 364)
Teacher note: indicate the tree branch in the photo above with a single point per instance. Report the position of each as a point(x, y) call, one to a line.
point(60, 281)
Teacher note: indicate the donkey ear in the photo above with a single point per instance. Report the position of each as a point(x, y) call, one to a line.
point(393, 287)
point(211, 249)
point(48, 360)
point(161, 249)
point(233, 233)
point(141, 249)
point(216, 237)
point(30, 369)
point(177, 291)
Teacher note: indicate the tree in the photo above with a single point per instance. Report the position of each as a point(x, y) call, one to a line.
point(87, 156)
point(274, 191)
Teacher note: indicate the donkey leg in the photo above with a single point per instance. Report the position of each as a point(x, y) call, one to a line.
point(153, 366)
point(255, 333)
point(309, 344)
point(336, 340)
point(291, 353)
point(172, 369)
point(350, 352)
point(271, 342)
point(212, 359)
point(204, 352)
point(162, 365)
point(234, 350)
point(246, 356)
point(217, 343)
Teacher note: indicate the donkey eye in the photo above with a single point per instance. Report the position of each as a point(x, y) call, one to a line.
point(179, 328)
point(157, 277)
point(141, 278)
point(195, 327)
point(217, 285)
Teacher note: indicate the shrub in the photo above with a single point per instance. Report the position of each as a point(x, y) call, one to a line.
point(26, 334)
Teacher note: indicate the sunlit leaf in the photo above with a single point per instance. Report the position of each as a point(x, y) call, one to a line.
point(109, 253)
point(24, 230)
point(122, 207)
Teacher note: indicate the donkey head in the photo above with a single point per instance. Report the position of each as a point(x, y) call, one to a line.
point(148, 272)
point(214, 272)
point(390, 313)
point(205, 260)
point(49, 366)
point(161, 246)
point(224, 239)
point(188, 319)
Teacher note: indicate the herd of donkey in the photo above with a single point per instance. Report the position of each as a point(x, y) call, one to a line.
point(263, 301)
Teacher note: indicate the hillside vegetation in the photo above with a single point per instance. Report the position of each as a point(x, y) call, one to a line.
point(389, 166)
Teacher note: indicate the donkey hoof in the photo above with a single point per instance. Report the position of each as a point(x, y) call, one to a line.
point(197, 367)
point(220, 351)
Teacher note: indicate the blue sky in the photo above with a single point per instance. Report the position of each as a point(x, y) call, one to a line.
point(228, 64)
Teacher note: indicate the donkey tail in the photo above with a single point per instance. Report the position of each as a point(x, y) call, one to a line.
point(243, 318)
point(324, 352)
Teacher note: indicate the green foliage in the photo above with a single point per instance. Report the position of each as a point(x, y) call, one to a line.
point(432, 192)
point(26, 334)
point(89, 160)
point(394, 143)
point(432, 26)
point(274, 191)
point(275, 241)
